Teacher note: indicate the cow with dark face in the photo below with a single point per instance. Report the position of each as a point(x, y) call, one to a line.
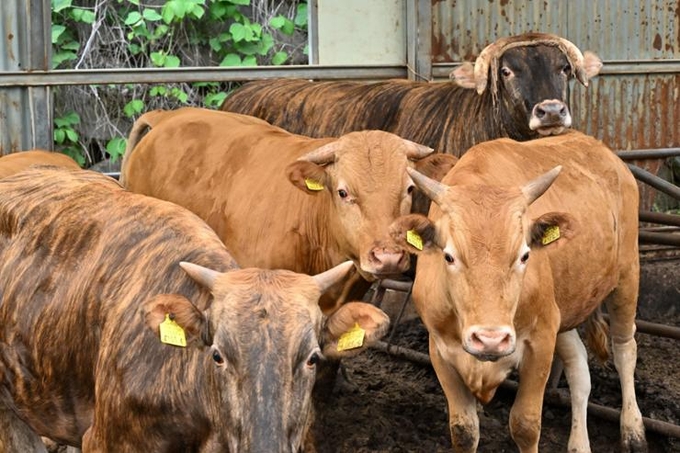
point(91, 279)
point(517, 88)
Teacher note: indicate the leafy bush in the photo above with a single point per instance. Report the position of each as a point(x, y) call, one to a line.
point(92, 121)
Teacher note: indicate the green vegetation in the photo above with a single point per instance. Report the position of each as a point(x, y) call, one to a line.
point(91, 122)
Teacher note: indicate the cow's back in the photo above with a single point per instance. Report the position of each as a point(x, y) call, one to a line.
point(80, 254)
point(16, 162)
point(595, 187)
point(237, 177)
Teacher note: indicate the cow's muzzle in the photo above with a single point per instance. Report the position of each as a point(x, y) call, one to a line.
point(489, 343)
point(386, 261)
point(550, 117)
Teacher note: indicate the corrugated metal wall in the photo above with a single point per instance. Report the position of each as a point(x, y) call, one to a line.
point(633, 104)
point(26, 40)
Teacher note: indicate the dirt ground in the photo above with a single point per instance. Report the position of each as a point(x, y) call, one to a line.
point(395, 405)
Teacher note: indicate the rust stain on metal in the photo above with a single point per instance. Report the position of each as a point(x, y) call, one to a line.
point(657, 44)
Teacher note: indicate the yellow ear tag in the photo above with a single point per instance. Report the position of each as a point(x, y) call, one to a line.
point(413, 238)
point(551, 234)
point(313, 185)
point(172, 333)
point(353, 338)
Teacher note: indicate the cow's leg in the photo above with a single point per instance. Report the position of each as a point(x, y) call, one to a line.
point(463, 418)
point(621, 305)
point(16, 436)
point(570, 349)
point(526, 412)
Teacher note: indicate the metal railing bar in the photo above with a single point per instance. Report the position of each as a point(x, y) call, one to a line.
point(196, 74)
point(658, 183)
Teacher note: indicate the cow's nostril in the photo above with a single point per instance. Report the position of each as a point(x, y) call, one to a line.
point(540, 113)
point(563, 111)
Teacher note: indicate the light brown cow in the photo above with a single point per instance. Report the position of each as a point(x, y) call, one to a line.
point(499, 287)
point(280, 200)
point(88, 271)
point(16, 162)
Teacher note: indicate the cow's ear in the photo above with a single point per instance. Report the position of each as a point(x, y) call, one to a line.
point(352, 328)
point(592, 64)
point(176, 310)
point(436, 166)
point(464, 75)
point(307, 176)
point(552, 229)
point(414, 232)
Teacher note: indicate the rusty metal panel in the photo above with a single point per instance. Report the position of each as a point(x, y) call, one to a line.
point(25, 113)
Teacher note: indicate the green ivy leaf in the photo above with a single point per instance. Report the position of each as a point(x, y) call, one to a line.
point(238, 32)
point(277, 22)
point(59, 136)
point(59, 5)
point(57, 30)
point(151, 15)
point(301, 16)
point(133, 107)
point(116, 148)
point(133, 18)
point(250, 60)
point(171, 61)
point(279, 58)
point(158, 90)
point(83, 15)
point(71, 135)
point(214, 100)
point(231, 59)
point(240, 2)
point(158, 59)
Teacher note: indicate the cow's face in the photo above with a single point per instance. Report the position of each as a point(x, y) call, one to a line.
point(528, 84)
point(364, 173)
point(478, 252)
point(261, 340)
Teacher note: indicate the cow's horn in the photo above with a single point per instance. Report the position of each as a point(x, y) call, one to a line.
point(332, 276)
point(481, 70)
point(322, 156)
point(200, 274)
point(535, 188)
point(417, 151)
point(433, 189)
point(575, 58)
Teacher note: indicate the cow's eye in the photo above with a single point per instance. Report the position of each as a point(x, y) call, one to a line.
point(524, 258)
point(217, 357)
point(567, 69)
point(505, 71)
point(342, 193)
point(410, 189)
point(313, 359)
point(449, 258)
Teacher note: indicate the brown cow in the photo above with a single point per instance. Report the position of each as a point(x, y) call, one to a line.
point(506, 273)
point(89, 272)
point(517, 88)
point(280, 200)
point(16, 162)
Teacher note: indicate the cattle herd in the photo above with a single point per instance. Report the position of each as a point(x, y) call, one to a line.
point(193, 305)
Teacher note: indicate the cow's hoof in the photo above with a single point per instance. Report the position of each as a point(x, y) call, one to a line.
point(634, 444)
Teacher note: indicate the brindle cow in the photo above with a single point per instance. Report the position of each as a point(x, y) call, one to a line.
point(280, 200)
point(89, 272)
point(517, 88)
point(16, 162)
point(512, 259)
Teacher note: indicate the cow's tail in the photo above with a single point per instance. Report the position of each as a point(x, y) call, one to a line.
point(141, 127)
point(597, 335)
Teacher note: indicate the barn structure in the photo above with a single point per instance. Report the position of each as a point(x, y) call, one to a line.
point(633, 105)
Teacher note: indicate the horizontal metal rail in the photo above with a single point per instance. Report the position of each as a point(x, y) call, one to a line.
point(652, 153)
point(552, 396)
point(659, 184)
point(660, 218)
point(649, 237)
point(196, 74)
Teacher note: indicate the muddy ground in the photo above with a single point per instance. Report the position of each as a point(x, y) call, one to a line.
point(397, 406)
